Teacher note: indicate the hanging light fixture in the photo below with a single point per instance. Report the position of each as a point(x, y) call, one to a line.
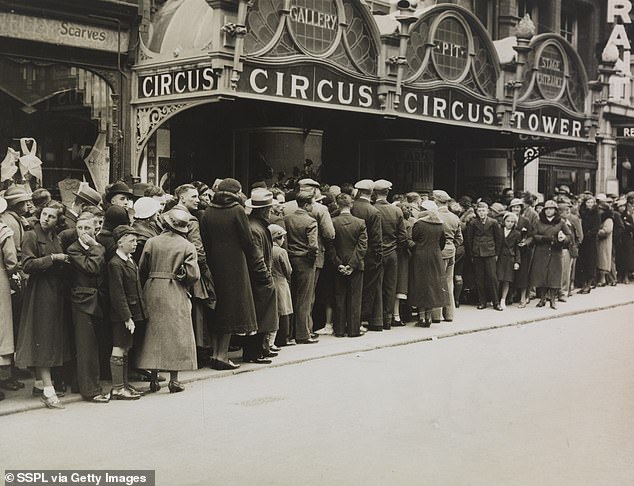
point(626, 164)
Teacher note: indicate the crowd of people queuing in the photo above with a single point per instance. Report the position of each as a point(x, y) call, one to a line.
point(131, 283)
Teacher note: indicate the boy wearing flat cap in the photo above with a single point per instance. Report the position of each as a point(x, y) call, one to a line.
point(127, 311)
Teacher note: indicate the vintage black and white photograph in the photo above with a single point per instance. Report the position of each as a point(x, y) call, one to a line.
point(316, 242)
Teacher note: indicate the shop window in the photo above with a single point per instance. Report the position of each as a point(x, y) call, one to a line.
point(568, 28)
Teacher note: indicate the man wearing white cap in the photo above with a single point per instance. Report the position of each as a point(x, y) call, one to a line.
point(372, 301)
point(394, 236)
point(453, 239)
point(146, 223)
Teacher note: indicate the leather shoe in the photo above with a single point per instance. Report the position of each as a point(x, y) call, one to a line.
point(397, 323)
point(52, 402)
point(310, 340)
point(387, 327)
point(124, 394)
point(175, 386)
point(481, 306)
point(101, 398)
point(375, 328)
point(498, 307)
point(257, 360)
point(9, 385)
point(541, 303)
point(270, 354)
point(217, 364)
point(314, 335)
point(274, 348)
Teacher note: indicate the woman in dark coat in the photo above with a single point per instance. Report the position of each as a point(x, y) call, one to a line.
point(228, 243)
point(551, 235)
point(43, 340)
point(587, 259)
point(426, 288)
point(525, 245)
point(625, 244)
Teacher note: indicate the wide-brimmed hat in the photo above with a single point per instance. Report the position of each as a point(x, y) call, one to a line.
point(177, 220)
point(15, 195)
point(87, 194)
point(260, 198)
point(118, 188)
point(146, 207)
point(3, 205)
point(550, 204)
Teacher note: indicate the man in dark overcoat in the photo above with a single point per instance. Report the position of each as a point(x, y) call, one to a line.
point(394, 237)
point(255, 348)
point(372, 303)
point(347, 256)
point(484, 238)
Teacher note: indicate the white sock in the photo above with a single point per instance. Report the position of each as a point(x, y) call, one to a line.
point(39, 384)
point(49, 391)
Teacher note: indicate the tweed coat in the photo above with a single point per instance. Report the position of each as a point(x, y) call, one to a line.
point(604, 243)
point(8, 265)
point(226, 234)
point(547, 262)
point(43, 339)
point(427, 285)
point(168, 267)
point(262, 285)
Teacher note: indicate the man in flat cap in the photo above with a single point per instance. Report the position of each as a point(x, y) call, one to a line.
point(325, 229)
point(85, 197)
point(372, 300)
point(394, 237)
point(453, 238)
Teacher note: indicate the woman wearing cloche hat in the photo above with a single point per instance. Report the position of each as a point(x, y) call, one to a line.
point(551, 235)
point(168, 267)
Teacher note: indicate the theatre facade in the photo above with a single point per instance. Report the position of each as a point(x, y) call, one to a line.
point(273, 89)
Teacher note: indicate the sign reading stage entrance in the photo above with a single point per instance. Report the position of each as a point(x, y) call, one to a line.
point(550, 75)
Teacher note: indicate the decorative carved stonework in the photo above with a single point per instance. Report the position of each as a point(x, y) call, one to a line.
point(148, 118)
point(234, 30)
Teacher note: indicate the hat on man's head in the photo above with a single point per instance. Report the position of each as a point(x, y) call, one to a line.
point(335, 190)
point(601, 197)
point(382, 185)
point(276, 231)
point(118, 187)
point(229, 185)
point(429, 205)
point(122, 230)
point(440, 196)
point(564, 189)
point(619, 202)
point(365, 185)
point(498, 208)
point(15, 195)
point(177, 220)
point(88, 195)
point(3, 205)
point(308, 182)
point(550, 204)
point(146, 207)
point(260, 198)
point(259, 185)
point(516, 202)
point(138, 188)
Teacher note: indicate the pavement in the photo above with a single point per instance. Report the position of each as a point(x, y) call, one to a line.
point(467, 320)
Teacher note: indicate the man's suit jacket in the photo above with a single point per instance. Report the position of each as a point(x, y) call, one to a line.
point(392, 227)
point(87, 278)
point(126, 294)
point(325, 229)
point(484, 239)
point(368, 213)
point(351, 242)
